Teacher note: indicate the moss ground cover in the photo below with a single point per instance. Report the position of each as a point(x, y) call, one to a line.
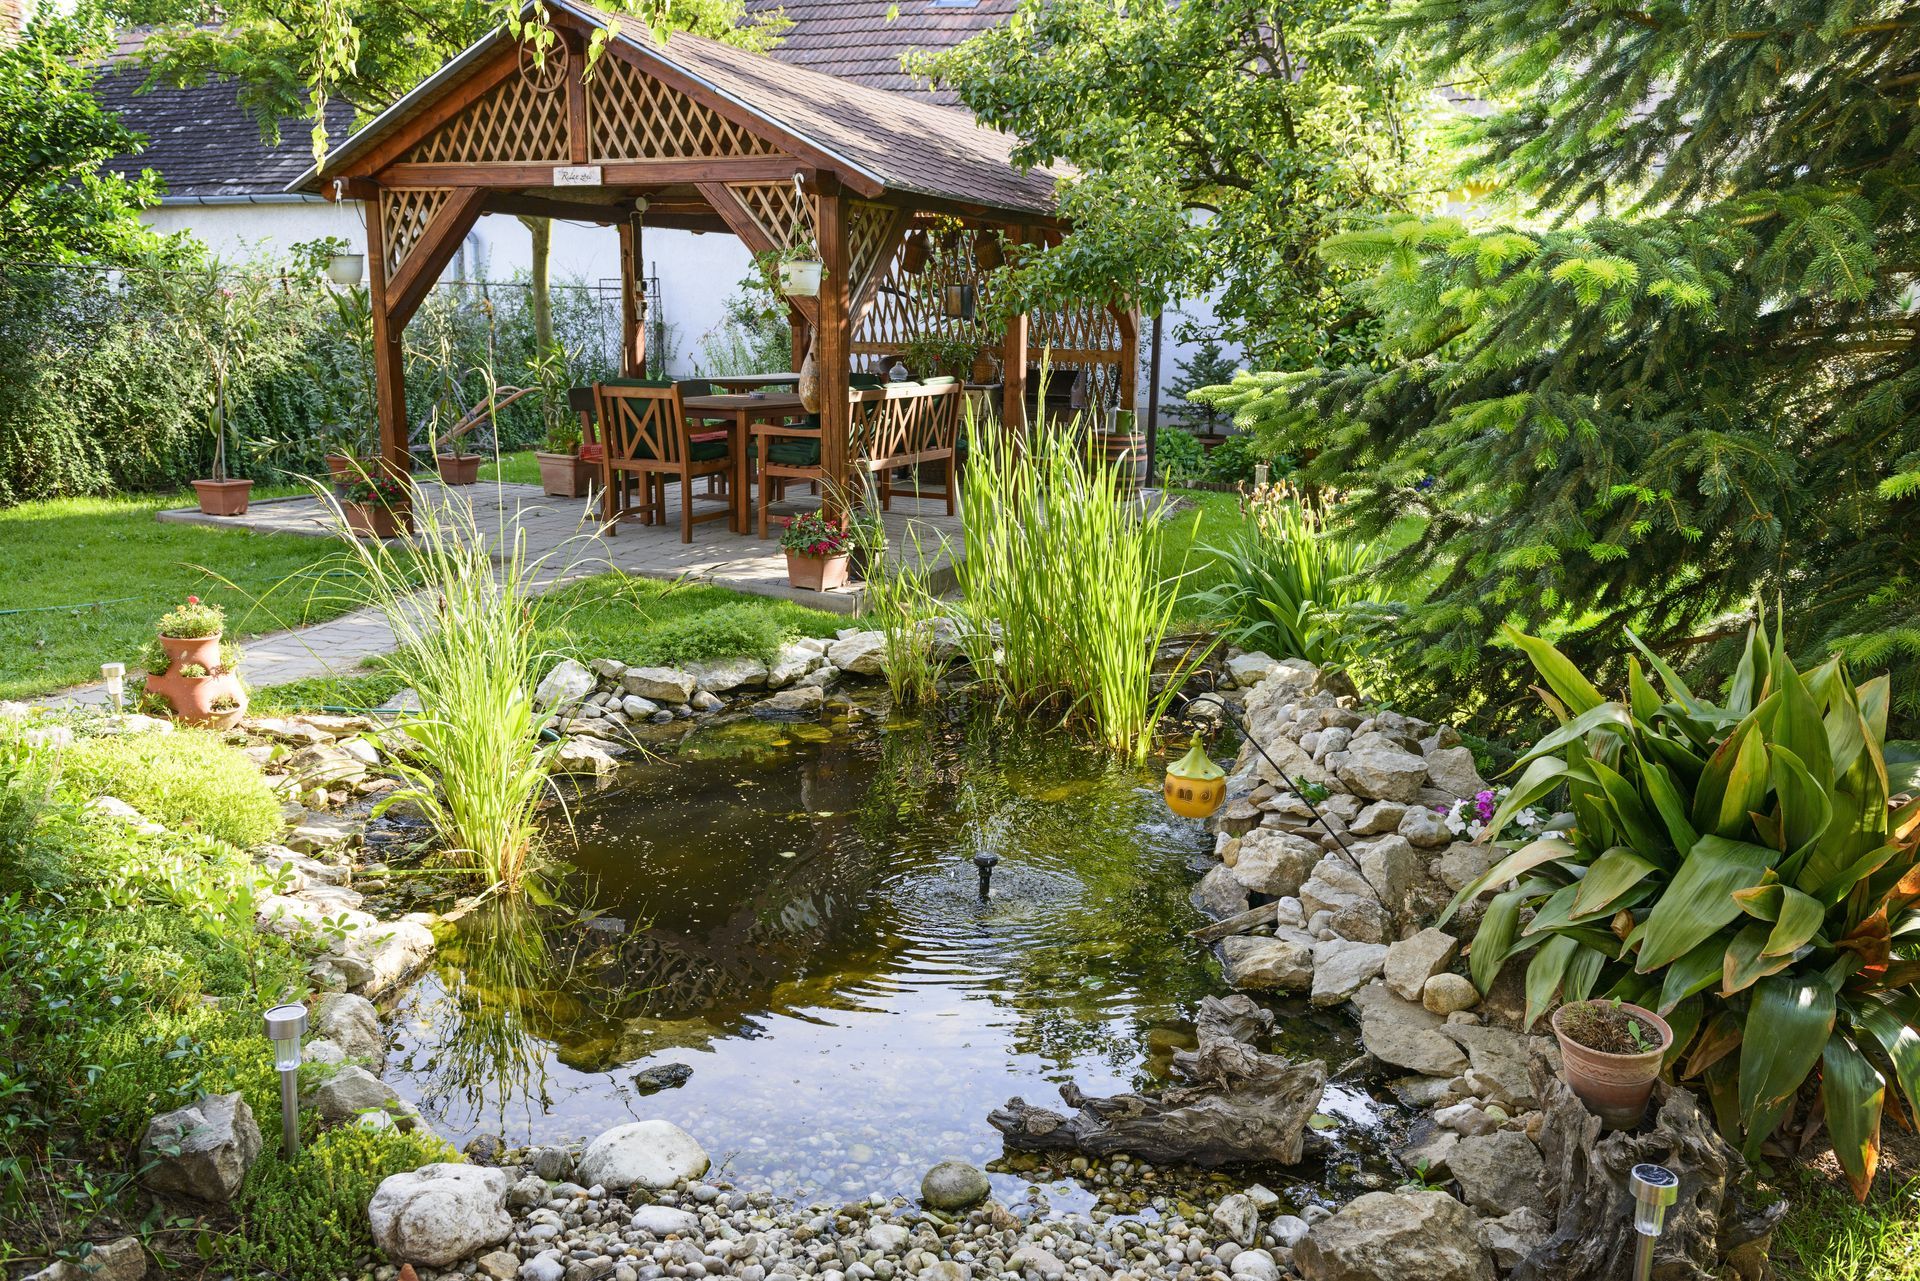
point(73, 552)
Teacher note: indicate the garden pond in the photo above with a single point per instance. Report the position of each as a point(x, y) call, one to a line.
point(792, 911)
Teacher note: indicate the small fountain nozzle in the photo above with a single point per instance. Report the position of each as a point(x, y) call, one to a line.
point(985, 863)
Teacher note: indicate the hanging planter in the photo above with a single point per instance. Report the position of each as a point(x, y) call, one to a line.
point(987, 254)
point(800, 277)
point(915, 253)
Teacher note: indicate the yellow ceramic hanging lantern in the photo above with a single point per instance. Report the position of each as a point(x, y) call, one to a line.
point(1195, 786)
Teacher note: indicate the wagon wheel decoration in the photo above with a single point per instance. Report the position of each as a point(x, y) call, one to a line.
point(544, 71)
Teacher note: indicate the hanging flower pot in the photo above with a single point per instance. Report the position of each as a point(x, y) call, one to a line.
point(800, 277)
point(915, 253)
point(986, 250)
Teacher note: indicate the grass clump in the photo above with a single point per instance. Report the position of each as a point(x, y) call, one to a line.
point(1827, 1236)
point(188, 779)
point(731, 630)
point(1068, 568)
point(647, 621)
point(306, 1219)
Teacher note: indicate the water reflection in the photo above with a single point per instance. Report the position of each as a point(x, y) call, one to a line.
point(793, 912)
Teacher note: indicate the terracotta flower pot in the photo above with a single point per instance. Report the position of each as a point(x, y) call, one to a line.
point(343, 469)
point(458, 469)
point(204, 650)
point(223, 497)
point(378, 519)
point(566, 475)
point(1613, 1086)
point(817, 573)
point(193, 697)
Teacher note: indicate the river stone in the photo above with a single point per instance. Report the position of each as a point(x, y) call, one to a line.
point(121, 1260)
point(202, 1151)
point(388, 952)
point(1394, 870)
point(351, 1022)
point(1452, 770)
point(661, 1076)
point(953, 1185)
point(664, 1221)
point(722, 675)
point(1334, 885)
point(790, 664)
point(795, 700)
point(317, 830)
point(1462, 865)
point(1405, 1035)
point(577, 756)
point(1422, 827)
point(1266, 964)
point(565, 685)
point(1342, 967)
point(1498, 1172)
point(645, 1154)
point(888, 1238)
point(1379, 818)
point(1512, 1237)
point(1255, 1265)
point(1219, 893)
point(1395, 1236)
point(1411, 962)
point(438, 1215)
point(1250, 669)
point(1275, 863)
point(1449, 994)
point(1500, 1057)
point(350, 1091)
point(1238, 1218)
point(638, 708)
point(658, 684)
point(863, 653)
point(1383, 773)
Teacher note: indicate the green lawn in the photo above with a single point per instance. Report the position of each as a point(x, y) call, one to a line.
point(1827, 1237)
point(83, 580)
point(514, 469)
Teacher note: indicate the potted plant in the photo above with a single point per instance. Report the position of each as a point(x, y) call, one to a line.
point(795, 271)
point(818, 549)
point(192, 671)
point(378, 504)
point(1610, 1054)
point(934, 355)
point(564, 470)
point(224, 329)
point(457, 467)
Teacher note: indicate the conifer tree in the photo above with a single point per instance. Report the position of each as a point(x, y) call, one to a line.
point(1683, 382)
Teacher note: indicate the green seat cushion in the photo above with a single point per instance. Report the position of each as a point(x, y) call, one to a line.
point(636, 382)
point(795, 453)
point(866, 382)
point(705, 451)
point(699, 387)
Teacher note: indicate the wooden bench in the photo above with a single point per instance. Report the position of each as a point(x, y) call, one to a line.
point(894, 426)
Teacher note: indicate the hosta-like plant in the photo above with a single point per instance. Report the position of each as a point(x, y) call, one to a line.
point(1740, 866)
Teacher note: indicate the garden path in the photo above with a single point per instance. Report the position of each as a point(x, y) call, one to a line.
point(564, 544)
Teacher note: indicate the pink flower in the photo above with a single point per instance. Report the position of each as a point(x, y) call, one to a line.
point(193, 600)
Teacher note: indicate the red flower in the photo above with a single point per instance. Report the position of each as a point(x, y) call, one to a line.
point(193, 600)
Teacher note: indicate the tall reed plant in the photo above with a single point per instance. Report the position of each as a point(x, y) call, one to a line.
point(899, 601)
point(1290, 580)
point(467, 628)
point(1065, 605)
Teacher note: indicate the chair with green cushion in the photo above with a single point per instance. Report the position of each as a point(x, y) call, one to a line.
point(787, 452)
point(644, 428)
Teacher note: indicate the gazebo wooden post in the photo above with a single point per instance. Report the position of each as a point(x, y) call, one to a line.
point(1129, 358)
point(389, 356)
point(831, 339)
point(633, 315)
point(1013, 361)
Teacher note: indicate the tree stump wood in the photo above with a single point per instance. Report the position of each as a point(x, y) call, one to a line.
point(1239, 1105)
point(1711, 1233)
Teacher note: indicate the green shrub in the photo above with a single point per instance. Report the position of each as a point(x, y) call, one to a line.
point(1739, 868)
point(1178, 456)
point(1231, 462)
point(725, 631)
point(1286, 581)
point(306, 1220)
point(188, 779)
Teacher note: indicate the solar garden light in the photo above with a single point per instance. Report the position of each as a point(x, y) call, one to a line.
point(1654, 1188)
point(285, 1026)
point(116, 678)
point(1260, 473)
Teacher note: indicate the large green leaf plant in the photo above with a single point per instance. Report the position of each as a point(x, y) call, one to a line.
point(1747, 868)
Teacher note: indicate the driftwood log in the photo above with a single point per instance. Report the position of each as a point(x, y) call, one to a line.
point(1238, 1104)
point(1711, 1233)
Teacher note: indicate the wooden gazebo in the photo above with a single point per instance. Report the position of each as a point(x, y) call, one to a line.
point(699, 135)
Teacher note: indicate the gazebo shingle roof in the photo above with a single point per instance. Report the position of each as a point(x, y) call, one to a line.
point(863, 40)
point(904, 143)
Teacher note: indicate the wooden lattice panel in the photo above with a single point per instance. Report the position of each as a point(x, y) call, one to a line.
point(632, 116)
point(867, 226)
point(777, 209)
point(405, 213)
point(519, 121)
point(908, 305)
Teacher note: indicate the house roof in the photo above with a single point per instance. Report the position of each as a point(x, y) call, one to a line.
point(900, 141)
point(206, 145)
point(857, 40)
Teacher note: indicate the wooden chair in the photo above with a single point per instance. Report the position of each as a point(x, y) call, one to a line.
point(785, 452)
point(645, 436)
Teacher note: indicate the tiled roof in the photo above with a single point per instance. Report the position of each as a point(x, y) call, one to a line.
point(855, 39)
point(200, 140)
point(900, 140)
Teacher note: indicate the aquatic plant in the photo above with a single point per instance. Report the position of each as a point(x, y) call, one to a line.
point(1064, 603)
point(467, 630)
point(899, 600)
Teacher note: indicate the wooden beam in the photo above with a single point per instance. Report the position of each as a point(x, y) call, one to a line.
point(1129, 358)
point(430, 254)
point(633, 329)
point(389, 357)
point(576, 95)
point(613, 173)
point(510, 202)
point(831, 334)
point(736, 215)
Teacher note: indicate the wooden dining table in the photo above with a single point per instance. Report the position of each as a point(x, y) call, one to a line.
point(739, 411)
point(752, 382)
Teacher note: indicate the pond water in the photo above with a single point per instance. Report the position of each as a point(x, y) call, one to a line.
point(793, 912)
